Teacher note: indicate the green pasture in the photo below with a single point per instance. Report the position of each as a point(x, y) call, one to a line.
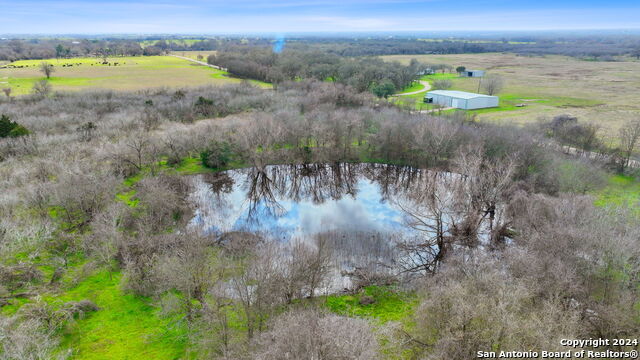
point(130, 73)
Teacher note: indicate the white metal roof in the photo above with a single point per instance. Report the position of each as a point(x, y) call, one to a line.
point(457, 94)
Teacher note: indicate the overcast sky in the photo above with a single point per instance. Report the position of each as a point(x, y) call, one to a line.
point(254, 16)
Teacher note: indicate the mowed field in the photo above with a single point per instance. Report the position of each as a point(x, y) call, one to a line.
point(604, 93)
point(131, 73)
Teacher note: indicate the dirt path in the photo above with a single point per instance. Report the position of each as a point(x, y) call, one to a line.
point(198, 62)
point(426, 88)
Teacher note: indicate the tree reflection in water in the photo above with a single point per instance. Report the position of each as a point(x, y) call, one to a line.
point(395, 218)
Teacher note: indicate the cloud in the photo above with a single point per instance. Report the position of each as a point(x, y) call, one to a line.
point(254, 16)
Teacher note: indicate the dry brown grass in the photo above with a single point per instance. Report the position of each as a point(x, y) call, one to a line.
point(604, 93)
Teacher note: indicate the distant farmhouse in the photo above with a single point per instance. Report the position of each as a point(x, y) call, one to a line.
point(472, 73)
point(460, 99)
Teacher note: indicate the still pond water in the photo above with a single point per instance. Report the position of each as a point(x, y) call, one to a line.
point(353, 206)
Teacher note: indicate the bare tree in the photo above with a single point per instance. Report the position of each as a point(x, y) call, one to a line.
point(442, 84)
point(42, 88)
point(433, 210)
point(107, 235)
point(309, 334)
point(163, 199)
point(258, 138)
point(191, 267)
point(29, 339)
point(628, 137)
point(304, 268)
point(86, 130)
point(103, 53)
point(79, 196)
point(477, 306)
point(136, 153)
point(258, 286)
point(492, 84)
point(47, 69)
point(486, 180)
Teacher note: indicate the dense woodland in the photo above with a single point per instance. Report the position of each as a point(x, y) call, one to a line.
point(362, 74)
point(553, 265)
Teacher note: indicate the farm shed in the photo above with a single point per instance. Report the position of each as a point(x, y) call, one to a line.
point(460, 99)
point(472, 73)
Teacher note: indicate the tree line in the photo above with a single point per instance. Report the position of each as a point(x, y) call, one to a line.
point(362, 74)
point(13, 50)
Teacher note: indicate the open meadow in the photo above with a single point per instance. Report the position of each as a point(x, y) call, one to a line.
point(195, 53)
point(603, 93)
point(121, 73)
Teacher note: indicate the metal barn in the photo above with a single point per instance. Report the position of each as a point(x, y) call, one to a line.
point(473, 73)
point(460, 99)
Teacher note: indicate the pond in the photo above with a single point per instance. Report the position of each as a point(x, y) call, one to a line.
point(362, 210)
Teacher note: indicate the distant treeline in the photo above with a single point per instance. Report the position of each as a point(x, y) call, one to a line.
point(578, 47)
point(601, 47)
point(380, 77)
point(13, 50)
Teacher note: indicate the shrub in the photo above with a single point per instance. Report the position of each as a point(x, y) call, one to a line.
point(308, 334)
point(383, 89)
point(217, 155)
point(442, 84)
point(10, 128)
point(41, 88)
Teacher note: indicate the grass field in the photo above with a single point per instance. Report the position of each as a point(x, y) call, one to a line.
point(132, 73)
point(188, 42)
point(604, 93)
point(194, 54)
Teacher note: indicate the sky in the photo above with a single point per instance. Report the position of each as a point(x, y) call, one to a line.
point(282, 16)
